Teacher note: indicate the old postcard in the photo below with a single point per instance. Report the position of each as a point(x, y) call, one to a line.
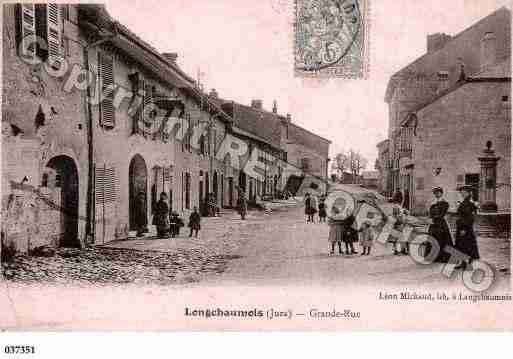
point(256, 165)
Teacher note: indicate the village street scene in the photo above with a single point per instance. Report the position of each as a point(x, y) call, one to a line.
point(119, 168)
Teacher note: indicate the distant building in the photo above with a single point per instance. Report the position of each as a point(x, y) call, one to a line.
point(370, 179)
point(444, 107)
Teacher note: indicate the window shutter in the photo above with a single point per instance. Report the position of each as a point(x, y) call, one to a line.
point(27, 29)
point(54, 35)
point(107, 111)
point(106, 185)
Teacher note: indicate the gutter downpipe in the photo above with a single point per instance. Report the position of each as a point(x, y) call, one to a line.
point(90, 225)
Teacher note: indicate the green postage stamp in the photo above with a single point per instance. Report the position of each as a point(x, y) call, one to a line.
point(330, 38)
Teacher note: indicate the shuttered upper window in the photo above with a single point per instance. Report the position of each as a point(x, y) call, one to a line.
point(25, 30)
point(48, 26)
point(106, 73)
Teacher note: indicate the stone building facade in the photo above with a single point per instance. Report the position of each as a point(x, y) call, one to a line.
point(443, 93)
point(44, 128)
point(141, 153)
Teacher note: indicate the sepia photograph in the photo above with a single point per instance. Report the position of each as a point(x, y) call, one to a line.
point(304, 165)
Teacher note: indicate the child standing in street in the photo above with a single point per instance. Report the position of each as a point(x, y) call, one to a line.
point(366, 238)
point(336, 232)
point(194, 222)
point(322, 211)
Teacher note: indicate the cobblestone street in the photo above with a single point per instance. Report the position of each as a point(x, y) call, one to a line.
point(266, 249)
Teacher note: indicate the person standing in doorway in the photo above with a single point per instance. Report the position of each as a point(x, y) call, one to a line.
point(140, 214)
point(195, 222)
point(466, 241)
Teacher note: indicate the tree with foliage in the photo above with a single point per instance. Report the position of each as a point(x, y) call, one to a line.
point(340, 164)
point(356, 163)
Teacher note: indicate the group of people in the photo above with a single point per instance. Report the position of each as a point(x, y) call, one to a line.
point(343, 232)
point(465, 239)
point(169, 223)
point(312, 206)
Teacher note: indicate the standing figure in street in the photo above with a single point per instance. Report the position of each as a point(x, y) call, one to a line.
point(310, 208)
point(322, 210)
point(242, 205)
point(400, 247)
point(161, 217)
point(336, 233)
point(366, 238)
point(350, 234)
point(175, 223)
point(466, 241)
point(439, 229)
point(194, 222)
point(140, 214)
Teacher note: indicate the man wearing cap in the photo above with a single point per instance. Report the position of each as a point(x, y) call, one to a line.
point(465, 237)
point(439, 229)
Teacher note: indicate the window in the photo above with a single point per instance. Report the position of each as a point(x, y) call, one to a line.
point(443, 75)
point(420, 183)
point(305, 164)
point(48, 25)
point(505, 98)
point(107, 110)
point(65, 11)
point(25, 30)
point(58, 181)
point(106, 185)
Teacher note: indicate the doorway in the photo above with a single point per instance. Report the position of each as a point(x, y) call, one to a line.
point(137, 179)
point(66, 178)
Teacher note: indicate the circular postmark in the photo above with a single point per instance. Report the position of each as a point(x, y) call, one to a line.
point(280, 6)
point(325, 31)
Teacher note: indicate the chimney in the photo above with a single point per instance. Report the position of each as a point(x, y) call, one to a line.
point(213, 94)
point(170, 57)
point(437, 41)
point(275, 107)
point(488, 50)
point(256, 104)
point(289, 118)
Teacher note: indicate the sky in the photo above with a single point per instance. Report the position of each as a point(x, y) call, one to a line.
point(244, 48)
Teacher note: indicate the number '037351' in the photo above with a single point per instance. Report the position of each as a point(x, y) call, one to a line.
point(19, 349)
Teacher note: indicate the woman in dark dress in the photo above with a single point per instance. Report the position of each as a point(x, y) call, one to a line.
point(465, 237)
point(161, 219)
point(439, 229)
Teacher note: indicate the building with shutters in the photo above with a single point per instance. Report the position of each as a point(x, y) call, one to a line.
point(44, 128)
point(139, 151)
point(96, 123)
point(260, 130)
point(444, 107)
